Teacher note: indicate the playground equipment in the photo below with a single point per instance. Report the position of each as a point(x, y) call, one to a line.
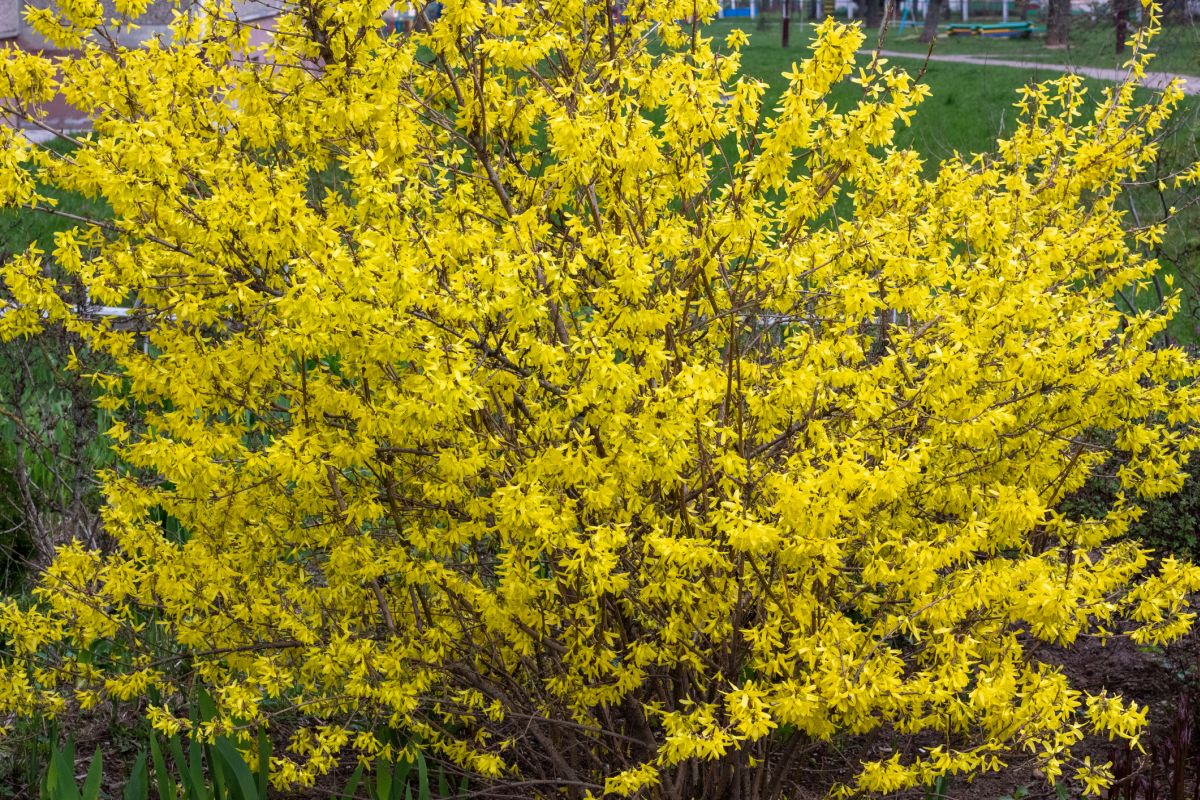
point(905, 14)
point(401, 17)
point(732, 9)
point(999, 30)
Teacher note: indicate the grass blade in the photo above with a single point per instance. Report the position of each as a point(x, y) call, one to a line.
point(423, 792)
point(352, 786)
point(443, 782)
point(208, 708)
point(400, 781)
point(162, 779)
point(264, 762)
point(138, 785)
point(91, 786)
point(60, 777)
point(238, 770)
point(383, 782)
point(181, 762)
point(195, 767)
point(216, 772)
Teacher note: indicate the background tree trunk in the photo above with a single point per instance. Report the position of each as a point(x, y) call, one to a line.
point(933, 17)
point(1121, 23)
point(1058, 17)
point(872, 14)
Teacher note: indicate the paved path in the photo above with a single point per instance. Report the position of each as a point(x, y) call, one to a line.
point(1191, 84)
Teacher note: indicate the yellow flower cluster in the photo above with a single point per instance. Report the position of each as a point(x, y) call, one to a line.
point(523, 385)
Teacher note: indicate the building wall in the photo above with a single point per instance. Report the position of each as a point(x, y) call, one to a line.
point(152, 23)
point(58, 115)
point(10, 18)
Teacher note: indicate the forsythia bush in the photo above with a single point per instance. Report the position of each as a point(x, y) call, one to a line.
point(526, 387)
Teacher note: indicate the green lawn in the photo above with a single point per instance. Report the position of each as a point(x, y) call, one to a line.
point(970, 105)
point(21, 228)
point(1091, 44)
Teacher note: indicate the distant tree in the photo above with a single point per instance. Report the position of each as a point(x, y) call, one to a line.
point(873, 13)
point(933, 18)
point(1121, 11)
point(1058, 21)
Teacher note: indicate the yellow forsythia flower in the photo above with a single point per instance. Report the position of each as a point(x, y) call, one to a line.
point(524, 387)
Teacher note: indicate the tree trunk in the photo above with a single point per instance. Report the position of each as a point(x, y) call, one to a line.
point(933, 17)
point(872, 14)
point(1058, 17)
point(1121, 23)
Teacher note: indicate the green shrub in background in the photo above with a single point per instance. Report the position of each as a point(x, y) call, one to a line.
point(16, 546)
point(50, 450)
point(1170, 524)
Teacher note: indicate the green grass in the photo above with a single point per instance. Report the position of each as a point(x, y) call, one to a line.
point(21, 228)
point(1091, 44)
point(969, 107)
